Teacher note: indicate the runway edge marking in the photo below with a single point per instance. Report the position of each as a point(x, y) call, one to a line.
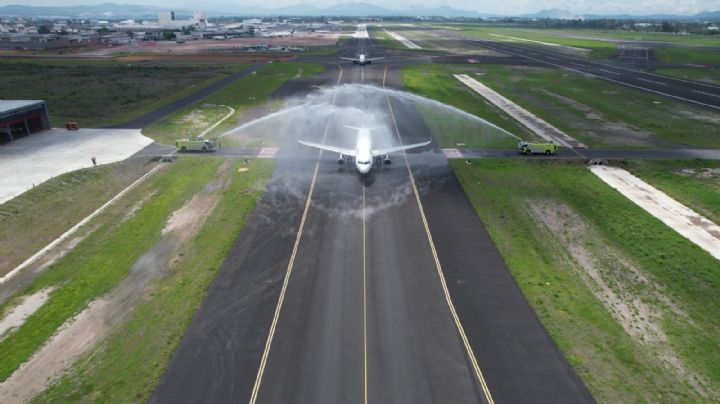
point(441, 275)
point(286, 280)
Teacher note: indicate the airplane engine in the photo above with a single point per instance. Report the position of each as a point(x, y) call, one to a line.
point(387, 160)
point(341, 160)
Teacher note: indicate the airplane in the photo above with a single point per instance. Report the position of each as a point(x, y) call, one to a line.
point(362, 59)
point(364, 154)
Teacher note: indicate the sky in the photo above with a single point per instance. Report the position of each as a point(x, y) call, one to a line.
point(509, 7)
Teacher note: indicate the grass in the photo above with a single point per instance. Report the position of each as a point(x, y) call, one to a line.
point(688, 55)
point(26, 226)
point(257, 89)
point(98, 263)
point(129, 363)
point(598, 113)
point(598, 49)
point(436, 82)
point(186, 122)
point(105, 94)
point(320, 51)
point(704, 74)
point(691, 182)
point(249, 91)
point(616, 367)
point(601, 34)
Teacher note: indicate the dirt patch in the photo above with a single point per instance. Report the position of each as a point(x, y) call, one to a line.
point(700, 173)
point(94, 323)
point(18, 314)
point(635, 301)
point(637, 318)
point(297, 40)
point(710, 117)
point(187, 220)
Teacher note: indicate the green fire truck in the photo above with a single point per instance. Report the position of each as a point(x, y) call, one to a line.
point(195, 144)
point(536, 148)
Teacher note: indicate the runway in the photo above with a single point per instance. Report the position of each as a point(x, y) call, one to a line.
point(385, 289)
point(692, 92)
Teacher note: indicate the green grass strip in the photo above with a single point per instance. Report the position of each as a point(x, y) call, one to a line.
point(99, 262)
point(129, 363)
point(616, 367)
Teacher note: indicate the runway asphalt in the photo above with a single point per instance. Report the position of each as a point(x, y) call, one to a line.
point(363, 292)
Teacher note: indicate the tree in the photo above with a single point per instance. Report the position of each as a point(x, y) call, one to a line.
point(44, 29)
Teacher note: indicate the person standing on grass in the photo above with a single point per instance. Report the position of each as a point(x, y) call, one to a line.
point(94, 160)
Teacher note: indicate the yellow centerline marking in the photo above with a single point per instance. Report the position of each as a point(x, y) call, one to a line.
point(364, 248)
point(448, 299)
point(286, 280)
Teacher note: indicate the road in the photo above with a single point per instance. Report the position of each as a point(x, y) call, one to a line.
point(385, 289)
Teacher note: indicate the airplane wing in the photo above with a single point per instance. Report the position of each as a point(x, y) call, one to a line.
point(372, 59)
point(353, 59)
point(334, 149)
point(380, 152)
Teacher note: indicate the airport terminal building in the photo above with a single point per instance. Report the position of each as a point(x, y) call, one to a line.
point(20, 118)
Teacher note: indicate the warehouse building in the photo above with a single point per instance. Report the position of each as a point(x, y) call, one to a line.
point(20, 118)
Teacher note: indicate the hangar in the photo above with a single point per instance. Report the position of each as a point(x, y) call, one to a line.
point(20, 118)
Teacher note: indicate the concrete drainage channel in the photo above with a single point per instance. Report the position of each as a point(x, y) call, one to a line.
point(688, 223)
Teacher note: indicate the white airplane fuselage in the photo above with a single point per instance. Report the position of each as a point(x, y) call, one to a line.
point(363, 152)
point(362, 61)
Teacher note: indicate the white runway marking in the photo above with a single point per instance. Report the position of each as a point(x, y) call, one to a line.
point(403, 40)
point(361, 31)
point(291, 263)
point(452, 153)
point(540, 42)
point(677, 216)
point(438, 266)
point(609, 71)
point(268, 152)
point(704, 93)
point(652, 81)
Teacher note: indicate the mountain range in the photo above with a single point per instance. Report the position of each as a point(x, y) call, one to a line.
point(116, 11)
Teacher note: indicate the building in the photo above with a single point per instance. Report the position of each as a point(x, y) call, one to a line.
point(166, 17)
point(20, 118)
point(200, 16)
point(168, 20)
